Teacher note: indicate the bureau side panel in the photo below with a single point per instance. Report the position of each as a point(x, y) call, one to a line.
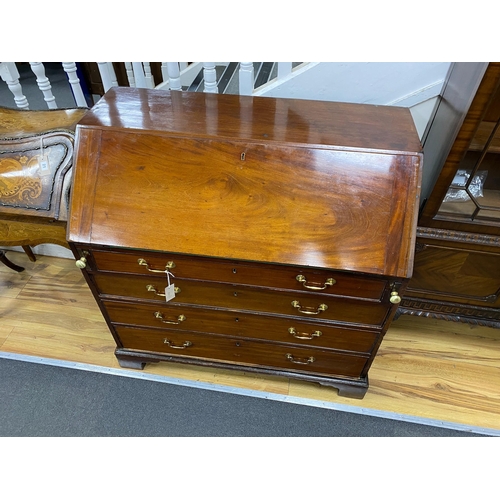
point(405, 200)
point(85, 177)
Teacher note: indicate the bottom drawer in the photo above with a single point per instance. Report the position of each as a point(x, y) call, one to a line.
point(289, 330)
point(242, 352)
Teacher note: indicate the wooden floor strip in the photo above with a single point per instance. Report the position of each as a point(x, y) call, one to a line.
point(426, 369)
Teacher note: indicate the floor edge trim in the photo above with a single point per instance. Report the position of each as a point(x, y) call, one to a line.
point(251, 393)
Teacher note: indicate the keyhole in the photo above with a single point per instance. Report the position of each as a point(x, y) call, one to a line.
point(234, 271)
point(243, 156)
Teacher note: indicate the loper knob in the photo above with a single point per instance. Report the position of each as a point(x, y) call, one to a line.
point(81, 263)
point(395, 298)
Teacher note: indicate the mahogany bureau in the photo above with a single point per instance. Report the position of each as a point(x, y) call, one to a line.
point(274, 236)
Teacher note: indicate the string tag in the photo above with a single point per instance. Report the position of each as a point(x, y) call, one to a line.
point(43, 161)
point(170, 288)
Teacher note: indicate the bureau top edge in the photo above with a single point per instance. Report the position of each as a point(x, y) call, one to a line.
point(261, 119)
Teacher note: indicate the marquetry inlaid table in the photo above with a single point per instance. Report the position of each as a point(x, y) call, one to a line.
point(36, 155)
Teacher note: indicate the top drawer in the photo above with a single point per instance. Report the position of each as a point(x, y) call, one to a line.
point(237, 272)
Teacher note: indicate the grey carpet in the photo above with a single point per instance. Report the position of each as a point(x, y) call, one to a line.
point(44, 400)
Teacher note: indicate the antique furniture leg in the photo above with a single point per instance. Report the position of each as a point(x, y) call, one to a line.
point(29, 253)
point(8, 263)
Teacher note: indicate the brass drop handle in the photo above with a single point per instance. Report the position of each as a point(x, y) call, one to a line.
point(395, 298)
point(302, 279)
point(180, 319)
point(186, 344)
point(304, 336)
point(152, 288)
point(309, 310)
point(169, 265)
point(81, 263)
point(299, 361)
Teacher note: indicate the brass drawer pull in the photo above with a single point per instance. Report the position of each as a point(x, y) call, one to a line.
point(302, 279)
point(180, 318)
point(304, 336)
point(299, 361)
point(169, 265)
point(152, 288)
point(309, 310)
point(186, 344)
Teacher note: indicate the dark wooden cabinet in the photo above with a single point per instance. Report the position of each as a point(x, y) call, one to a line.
point(457, 261)
point(274, 236)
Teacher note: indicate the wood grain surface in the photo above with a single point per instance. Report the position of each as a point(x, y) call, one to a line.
point(294, 182)
point(425, 367)
point(20, 123)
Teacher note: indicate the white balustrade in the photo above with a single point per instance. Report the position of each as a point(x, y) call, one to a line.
point(164, 72)
point(10, 75)
point(106, 76)
point(140, 79)
point(74, 81)
point(148, 75)
point(174, 76)
point(246, 78)
point(44, 84)
point(130, 74)
point(112, 74)
point(210, 78)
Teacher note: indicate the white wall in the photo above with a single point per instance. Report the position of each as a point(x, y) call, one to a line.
point(396, 84)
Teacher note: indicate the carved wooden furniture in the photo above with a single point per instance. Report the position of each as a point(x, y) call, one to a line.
point(268, 235)
point(457, 262)
point(36, 155)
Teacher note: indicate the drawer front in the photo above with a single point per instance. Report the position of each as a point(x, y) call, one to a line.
point(242, 352)
point(239, 297)
point(226, 271)
point(287, 330)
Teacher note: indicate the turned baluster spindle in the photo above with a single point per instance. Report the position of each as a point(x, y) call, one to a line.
point(148, 75)
point(106, 78)
point(140, 79)
point(210, 78)
point(174, 76)
point(246, 78)
point(130, 74)
point(74, 81)
point(10, 75)
point(44, 84)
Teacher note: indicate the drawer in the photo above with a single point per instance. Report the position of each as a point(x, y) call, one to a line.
point(274, 328)
point(242, 351)
point(246, 273)
point(238, 297)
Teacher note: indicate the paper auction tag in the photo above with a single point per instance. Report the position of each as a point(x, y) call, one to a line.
point(170, 288)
